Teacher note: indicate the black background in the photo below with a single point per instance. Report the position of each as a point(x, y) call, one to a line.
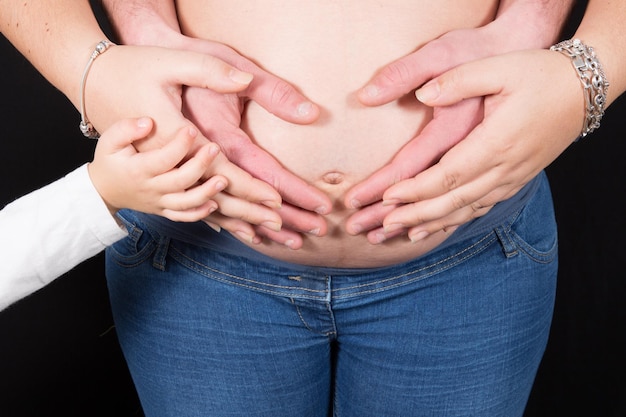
point(59, 352)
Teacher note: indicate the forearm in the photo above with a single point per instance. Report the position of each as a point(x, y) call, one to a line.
point(602, 29)
point(522, 24)
point(56, 37)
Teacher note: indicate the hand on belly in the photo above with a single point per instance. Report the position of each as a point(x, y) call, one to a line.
point(345, 146)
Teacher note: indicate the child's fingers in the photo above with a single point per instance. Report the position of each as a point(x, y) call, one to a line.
point(237, 227)
point(247, 211)
point(190, 172)
point(198, 196)
point(159, 161)
point(229, 206)
point(190, 215)
point(243, 185)
point(123, 133)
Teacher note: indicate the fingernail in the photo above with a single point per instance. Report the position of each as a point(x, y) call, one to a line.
point(143, 122)
point(429, 91)
point(371, 90)
point(315, 232)
point(304, 108)
point(390, 202)
point(355, 203)
point(220, 185)
point(321, 210)
point(214, 227)
point(393, 227)
point(272, 204)
point(214, 149)
point(245, 236)
point(240, 77)
point(192, 131)
point(379, 237)
point(416, 237)
point(356, 229)
point(290, 243)
point(272, 225)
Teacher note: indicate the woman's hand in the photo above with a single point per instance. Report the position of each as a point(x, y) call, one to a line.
point(533, 110)
point(132, 81)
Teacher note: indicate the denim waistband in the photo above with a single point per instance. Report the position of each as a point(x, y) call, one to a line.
point(202, 235)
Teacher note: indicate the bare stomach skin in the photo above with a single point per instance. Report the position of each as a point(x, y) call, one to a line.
point(329, 49)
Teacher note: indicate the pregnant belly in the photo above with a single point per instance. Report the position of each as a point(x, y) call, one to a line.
point(328, 50)
point(344, 147)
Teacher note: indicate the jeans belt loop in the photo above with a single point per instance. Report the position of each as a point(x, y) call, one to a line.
point(508, 246)
point(159, 260)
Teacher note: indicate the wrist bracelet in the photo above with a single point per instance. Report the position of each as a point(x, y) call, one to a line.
point(85, 125)
point(591, 74)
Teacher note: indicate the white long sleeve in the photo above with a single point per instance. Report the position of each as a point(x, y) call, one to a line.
point(49, 231)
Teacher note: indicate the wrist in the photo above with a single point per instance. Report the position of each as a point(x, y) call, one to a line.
point(85, 125)
point(594, 83)
point(609, 52)
point(94, 177)
point(154, 24)
point(113, 210)
point(527, 25)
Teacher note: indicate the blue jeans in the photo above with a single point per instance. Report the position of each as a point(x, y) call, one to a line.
point(457, 332)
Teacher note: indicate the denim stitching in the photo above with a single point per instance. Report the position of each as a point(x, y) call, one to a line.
point(523, 246)
point(433, 265)
point(309, 293)
point(240, 281)
point(419, 277)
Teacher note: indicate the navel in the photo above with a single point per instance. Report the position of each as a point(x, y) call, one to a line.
point(333, 178)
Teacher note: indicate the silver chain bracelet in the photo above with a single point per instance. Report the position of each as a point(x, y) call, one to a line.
point(591, 74)
point(85, 125)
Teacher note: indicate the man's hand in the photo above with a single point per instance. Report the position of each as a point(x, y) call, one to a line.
point(219, 117)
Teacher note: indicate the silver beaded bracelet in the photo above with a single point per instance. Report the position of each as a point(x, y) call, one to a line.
point(85, 125)
point(591, 74)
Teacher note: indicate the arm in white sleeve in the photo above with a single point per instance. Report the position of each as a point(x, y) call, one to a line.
point(49, 231)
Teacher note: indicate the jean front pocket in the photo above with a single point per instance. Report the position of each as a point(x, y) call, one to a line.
point(138, 246)
point(532, 230)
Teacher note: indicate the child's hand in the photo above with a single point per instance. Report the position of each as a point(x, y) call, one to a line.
point(156, 181)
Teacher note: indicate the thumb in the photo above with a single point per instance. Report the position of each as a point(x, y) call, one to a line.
point(201, 70)
point(123, 133)
point(474, 79)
